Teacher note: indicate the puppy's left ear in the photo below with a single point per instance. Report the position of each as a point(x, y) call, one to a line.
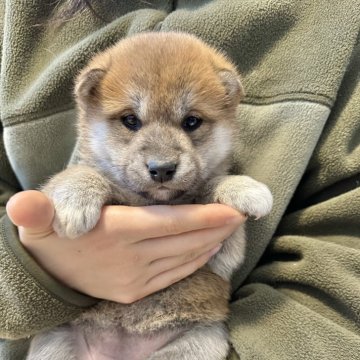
point(233, 86)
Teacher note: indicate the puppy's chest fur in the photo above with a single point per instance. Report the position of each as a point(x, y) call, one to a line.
point(201, 297)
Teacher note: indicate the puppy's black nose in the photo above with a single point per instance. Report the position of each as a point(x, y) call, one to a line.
point(161, 172)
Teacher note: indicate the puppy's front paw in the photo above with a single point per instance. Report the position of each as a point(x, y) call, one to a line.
point(76, 216)
point(78, 194)
point(245, 194)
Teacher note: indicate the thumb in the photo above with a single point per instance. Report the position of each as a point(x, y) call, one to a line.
point(32, 212)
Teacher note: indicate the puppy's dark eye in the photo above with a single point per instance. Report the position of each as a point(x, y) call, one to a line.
point(191, 123)
point(131, 122)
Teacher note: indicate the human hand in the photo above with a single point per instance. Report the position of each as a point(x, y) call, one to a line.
point(132, 252)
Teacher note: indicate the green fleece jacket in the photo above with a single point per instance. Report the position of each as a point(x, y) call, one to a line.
point(297, 296)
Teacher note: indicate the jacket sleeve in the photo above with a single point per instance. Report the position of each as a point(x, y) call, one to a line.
point(302, 300)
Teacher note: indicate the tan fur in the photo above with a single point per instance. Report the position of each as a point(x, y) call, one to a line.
point(162, 78)
point(202, 297)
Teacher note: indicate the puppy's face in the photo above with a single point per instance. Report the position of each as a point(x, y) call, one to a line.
point(158, 113)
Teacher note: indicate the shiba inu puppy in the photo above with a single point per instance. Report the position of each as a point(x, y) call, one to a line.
point(156, 126)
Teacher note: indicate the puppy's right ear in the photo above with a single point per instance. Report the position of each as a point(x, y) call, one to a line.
point(233, 86)
point(87, 87)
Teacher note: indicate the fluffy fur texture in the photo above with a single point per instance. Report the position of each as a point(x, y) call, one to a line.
point(162, 83)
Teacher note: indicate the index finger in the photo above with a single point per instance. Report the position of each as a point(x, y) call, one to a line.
point(137, 223)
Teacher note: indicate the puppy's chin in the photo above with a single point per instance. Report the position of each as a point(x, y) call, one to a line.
point(162, 194)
